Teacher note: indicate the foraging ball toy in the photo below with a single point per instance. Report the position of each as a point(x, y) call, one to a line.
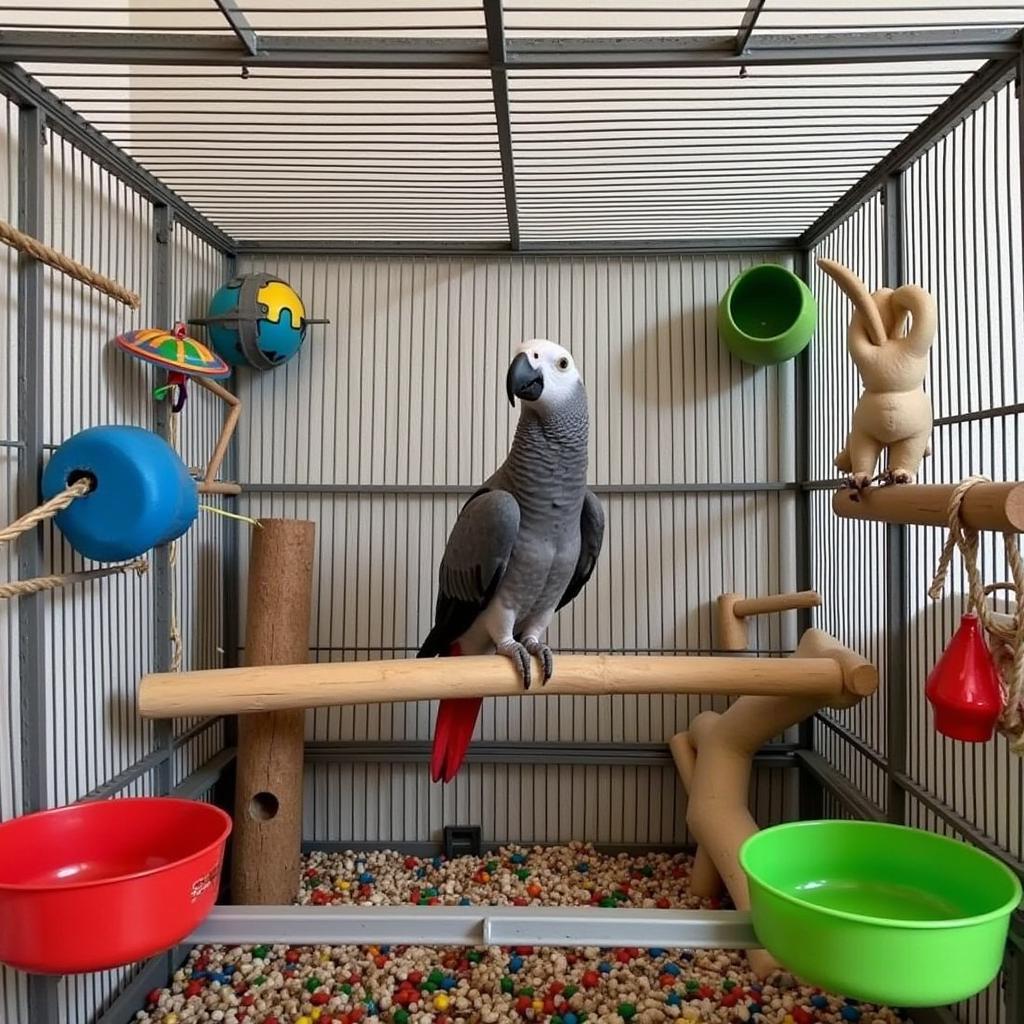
point(257, 320)
point(141, 494)
point(964, 687)
point(767, 315)
point(184, 357)
point(883, 913)
point(106, 882)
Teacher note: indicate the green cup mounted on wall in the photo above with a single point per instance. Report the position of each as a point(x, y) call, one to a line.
point(767, 316)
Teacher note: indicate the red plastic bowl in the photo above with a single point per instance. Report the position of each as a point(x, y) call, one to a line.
point(100, 884)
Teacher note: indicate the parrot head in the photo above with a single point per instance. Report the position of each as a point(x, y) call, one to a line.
point(543, 374)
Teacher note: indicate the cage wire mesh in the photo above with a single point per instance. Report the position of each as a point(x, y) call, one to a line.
point(382, 462)
point(961, 240)
point(695, 457)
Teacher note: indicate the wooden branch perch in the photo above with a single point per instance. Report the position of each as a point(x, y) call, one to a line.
point(209, 484)
point(255, 688)
point(986, 506)
point(714, 758)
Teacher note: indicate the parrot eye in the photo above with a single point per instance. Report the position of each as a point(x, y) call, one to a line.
point(563, 363)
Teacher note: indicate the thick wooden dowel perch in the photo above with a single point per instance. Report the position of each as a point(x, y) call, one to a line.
point(268, 790)
point(244, 690)
point(986, 506)
point(56, 259)
point(735, 609)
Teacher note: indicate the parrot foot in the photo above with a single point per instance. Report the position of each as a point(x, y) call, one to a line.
point(897, 476)
point(542, 651)
point(520, 657)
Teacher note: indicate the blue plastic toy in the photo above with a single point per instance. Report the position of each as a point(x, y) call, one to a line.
point(142, 494)
point(257, 320)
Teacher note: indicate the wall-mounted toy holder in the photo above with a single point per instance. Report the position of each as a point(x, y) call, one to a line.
point(257, 320)
point(186, 359)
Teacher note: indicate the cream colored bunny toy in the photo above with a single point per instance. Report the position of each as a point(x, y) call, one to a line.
point(894, 412)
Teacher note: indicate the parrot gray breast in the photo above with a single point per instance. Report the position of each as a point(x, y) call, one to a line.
point(530, 536)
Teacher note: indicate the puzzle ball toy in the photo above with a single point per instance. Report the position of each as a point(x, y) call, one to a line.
point(257, 320)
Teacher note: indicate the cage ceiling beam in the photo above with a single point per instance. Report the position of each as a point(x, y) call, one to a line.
point(332, 684)
point(21, 88)
point(750, 16)
point(184, 49)
point(496, 48)
point(456, 247)
point(971, 95)
point(239, 25)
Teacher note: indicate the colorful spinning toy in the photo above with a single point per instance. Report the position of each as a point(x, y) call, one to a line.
point(181, 355)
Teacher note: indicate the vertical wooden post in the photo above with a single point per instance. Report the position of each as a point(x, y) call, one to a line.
point(268, 792)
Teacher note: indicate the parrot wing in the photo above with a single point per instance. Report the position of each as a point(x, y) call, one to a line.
point(473, 565)
point(591, 538)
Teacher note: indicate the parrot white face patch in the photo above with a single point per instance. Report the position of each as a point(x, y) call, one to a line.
point(561, 378)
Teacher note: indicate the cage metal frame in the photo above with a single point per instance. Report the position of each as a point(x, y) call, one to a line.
point(41, 111)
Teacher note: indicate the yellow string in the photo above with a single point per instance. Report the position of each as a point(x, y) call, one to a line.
point(232, 515)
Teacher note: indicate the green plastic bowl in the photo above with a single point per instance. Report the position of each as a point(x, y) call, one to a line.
point(882, 913)
point(767, 316)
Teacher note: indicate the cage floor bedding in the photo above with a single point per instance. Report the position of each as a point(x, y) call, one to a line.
point(430, 985)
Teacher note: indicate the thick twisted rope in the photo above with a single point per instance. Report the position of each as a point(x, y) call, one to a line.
point(1009, 636)
point(47, 510)
point(53, 258)
point(39, 583)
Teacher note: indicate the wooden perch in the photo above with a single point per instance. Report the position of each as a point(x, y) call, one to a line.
point(735, 609)
point(209, 484)
point(986, 506)
point(715, 756)
point(255, 688)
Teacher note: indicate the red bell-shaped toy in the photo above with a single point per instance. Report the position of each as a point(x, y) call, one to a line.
point(964, 686)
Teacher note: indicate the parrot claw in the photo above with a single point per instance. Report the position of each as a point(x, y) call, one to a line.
point(520, 657)
point(547, 659)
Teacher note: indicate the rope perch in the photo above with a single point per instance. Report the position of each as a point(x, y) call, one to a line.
point(56, 259)
point(1010, 637)
point(47, 510)
point(7, 590)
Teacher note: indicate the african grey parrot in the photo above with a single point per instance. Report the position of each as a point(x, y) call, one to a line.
point(524, 544)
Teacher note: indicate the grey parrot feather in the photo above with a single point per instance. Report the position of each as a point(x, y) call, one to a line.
point(473, 565)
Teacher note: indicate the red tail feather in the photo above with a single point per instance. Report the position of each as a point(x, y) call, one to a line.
point(456, 720)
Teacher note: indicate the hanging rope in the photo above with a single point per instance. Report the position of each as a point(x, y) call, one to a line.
point(1010, 636)
point(34, 586)
point(177, 650)
point(47, 510)
point(53, 258)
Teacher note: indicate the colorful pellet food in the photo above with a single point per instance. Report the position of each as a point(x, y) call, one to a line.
point(427, 985)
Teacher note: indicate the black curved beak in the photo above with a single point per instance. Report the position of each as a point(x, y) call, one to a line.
point(523, 381)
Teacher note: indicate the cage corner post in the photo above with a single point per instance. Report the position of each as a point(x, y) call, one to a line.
point(43, 1001)
point(163, 585)
point(897, 592)
point(810, 794)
